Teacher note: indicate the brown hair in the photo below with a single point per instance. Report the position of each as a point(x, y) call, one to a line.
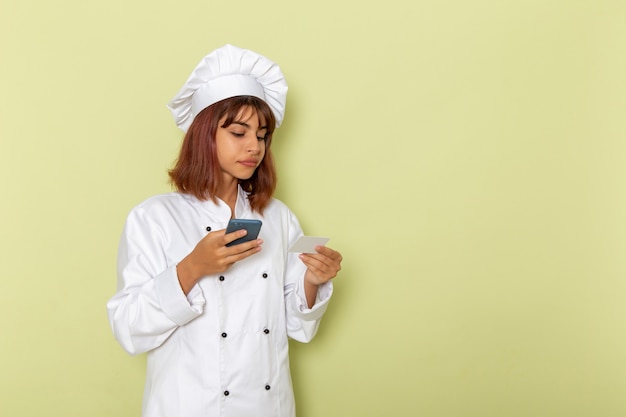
point(197, 170)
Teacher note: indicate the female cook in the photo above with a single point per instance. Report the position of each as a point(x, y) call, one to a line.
point(214, 319)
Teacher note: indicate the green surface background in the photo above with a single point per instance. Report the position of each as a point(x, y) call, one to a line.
point(466, 157)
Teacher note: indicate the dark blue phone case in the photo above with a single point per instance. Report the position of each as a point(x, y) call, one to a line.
point(252, 226)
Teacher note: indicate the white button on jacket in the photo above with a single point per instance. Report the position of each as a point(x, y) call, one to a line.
point(222, 350)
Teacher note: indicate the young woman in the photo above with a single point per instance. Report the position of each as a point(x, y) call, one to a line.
point(215, 319)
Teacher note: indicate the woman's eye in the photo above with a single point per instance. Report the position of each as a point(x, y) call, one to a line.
point(237, 134)
point(260, 138)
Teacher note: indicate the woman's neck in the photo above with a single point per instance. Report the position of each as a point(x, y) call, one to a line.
point(228, 194)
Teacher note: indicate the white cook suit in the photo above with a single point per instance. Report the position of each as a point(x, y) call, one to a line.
point(222, 349)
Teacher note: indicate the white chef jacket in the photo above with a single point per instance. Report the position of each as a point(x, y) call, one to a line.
point(222, 349)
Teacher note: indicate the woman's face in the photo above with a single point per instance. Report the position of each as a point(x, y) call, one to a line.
point(241, 145)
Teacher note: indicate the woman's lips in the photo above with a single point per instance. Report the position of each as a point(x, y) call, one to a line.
point(251, 163)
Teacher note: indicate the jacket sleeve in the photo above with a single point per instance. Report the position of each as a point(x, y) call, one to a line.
point(149, 304)
point(302, 321)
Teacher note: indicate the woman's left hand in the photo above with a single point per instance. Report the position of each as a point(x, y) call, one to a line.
point(321, 266)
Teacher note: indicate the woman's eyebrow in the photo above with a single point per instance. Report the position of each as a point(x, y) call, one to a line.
point(246, 125)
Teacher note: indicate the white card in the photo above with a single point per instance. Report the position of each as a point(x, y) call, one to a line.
point(307, 244)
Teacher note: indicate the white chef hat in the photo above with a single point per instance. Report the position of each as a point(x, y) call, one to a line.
point(227, 72)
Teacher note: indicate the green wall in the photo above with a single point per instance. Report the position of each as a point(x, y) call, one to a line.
point(468, 158)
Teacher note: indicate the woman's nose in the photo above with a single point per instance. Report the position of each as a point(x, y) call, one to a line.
point(254, 145)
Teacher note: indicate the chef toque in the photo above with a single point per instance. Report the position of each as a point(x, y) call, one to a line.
point(227, 72)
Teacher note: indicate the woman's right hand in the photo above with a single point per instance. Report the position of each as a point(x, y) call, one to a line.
point(212, 256)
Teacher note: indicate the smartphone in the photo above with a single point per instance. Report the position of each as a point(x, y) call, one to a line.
point(252, 226)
